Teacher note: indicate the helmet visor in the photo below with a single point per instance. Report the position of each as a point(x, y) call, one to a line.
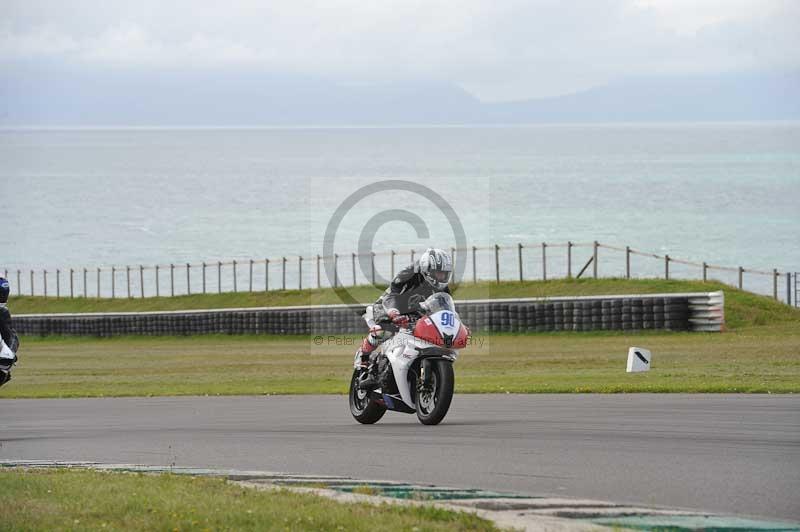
point(440, 276)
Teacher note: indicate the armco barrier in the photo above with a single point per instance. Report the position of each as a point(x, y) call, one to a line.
point(676, 312)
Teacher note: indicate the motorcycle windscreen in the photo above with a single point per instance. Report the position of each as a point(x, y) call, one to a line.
point(438, 302)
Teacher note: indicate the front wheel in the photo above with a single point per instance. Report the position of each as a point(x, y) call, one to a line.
point(364, 409)
point(433, 401)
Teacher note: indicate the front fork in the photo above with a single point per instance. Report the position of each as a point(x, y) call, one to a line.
point(425, 371)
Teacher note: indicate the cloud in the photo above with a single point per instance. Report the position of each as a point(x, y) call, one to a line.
point(497, 50)
point(41, 41)
point(133, 45)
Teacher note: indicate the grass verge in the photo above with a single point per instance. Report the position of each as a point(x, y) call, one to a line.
point(764, 359)
point(759, 352)
point(742, 308)
point(64, 499)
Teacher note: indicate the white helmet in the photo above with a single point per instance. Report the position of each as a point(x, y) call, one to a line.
point(436, 267)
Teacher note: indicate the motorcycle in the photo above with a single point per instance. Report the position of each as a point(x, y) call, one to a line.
point(414, 367)
point(7, 359)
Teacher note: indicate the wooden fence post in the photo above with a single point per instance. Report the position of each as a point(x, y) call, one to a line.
point(335, 270)
point(412, 256)
point(235, 280)
point(172, 280)
point(44, 279)
point(188, 279)
point(19, 284)
point(141, 280)
point(474, 269)
point(158, 288)
point(319, 285)
point(128, 279)
point(283, 274)
point(519, 260)
point(594, 260)
point(251, 276)
point(31, 283)
point(666, 267)
point(372, 263)
point(71, 283)
point(266, 275)
point(569, 260)
point(98, 282)
point(219, 276)
point(354, 269)
point(204, 277)
point(300, 272)
point(85, 291)
point(775, 284)
point(741, 272)
point(58, 283)
point(392, 267)
point(544, 261)
point(627, 262)
point(789, 288)
point(705, 272)
point(497, 263)
point(113, 282)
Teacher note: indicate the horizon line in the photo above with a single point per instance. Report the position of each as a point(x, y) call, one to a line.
point(600, 123)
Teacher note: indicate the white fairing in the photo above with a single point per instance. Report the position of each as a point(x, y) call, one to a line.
point(401, 350)
point(5, 351)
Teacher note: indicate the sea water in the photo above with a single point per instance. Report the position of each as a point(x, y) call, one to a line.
point(727, 194)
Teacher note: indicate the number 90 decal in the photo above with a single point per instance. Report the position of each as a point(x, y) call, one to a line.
point(448, 319)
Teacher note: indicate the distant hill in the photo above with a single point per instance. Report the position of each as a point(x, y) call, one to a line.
point(699, 98)
point(58, 97)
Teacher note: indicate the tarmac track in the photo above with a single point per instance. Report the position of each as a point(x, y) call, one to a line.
point(737, 454)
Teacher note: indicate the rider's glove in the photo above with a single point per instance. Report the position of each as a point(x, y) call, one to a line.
point(398, 319)
point(375, 330)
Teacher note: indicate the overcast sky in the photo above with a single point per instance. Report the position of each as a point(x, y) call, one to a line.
point(497, 50)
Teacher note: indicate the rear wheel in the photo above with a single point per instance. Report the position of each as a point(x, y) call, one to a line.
point(363, 408)
point(433, 401)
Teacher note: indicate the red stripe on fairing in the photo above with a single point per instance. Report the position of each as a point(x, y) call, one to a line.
point(427, 331)
point(461, 338)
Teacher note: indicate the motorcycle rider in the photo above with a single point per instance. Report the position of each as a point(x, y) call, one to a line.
point(429, 274)
point(7, 333)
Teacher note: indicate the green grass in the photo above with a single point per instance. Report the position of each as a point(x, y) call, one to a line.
point(742, 308)
point(62, 499)
point(749, 359)
point(758, 352)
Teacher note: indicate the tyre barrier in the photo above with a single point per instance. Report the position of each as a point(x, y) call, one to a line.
point(674, 312)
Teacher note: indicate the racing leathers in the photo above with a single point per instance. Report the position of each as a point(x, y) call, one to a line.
point(12, 342)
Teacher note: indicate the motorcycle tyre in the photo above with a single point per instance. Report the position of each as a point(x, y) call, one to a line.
point(444, 394)
point(371, 413)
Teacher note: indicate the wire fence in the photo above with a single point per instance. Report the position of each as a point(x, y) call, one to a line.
point(520, 262)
